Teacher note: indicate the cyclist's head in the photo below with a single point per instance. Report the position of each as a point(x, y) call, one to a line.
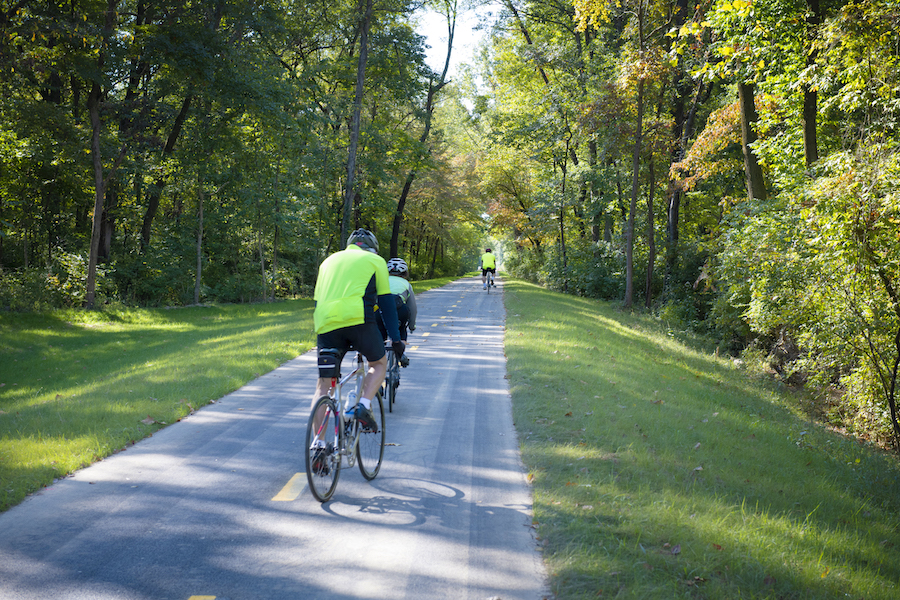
point(365, 239)
point(487, 249)
point(397, 266)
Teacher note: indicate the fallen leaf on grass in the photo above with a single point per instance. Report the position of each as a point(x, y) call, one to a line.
point(676, 549)
point(717, 547)
point(148, 421)
point(697, 445)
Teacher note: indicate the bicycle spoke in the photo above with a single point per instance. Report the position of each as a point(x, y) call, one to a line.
point(370, 448)
point(323, 465)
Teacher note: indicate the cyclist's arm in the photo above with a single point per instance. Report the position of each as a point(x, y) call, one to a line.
point(411, 304)
point(388, 309)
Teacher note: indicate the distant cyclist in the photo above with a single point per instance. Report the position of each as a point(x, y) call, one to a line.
point(404, 299)
point(488, 263)
point(352, 285)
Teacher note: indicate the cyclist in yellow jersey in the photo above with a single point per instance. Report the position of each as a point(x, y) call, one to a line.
point(488, 263)
point(351, 288)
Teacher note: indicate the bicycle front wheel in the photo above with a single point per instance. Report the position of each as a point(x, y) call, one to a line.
point(323, 464)
point(370, 448)
point(390, 382)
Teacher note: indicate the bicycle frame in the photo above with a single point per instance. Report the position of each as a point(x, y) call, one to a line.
point(350, 427)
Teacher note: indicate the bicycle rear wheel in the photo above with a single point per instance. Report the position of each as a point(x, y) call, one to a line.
point(324, 467)
point(370, 449)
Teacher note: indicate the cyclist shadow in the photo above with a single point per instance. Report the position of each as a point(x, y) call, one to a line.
point(406, 502)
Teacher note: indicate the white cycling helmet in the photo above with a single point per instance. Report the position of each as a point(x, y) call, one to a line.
point(397, 265)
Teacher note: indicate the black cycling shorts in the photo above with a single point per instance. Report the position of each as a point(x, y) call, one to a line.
point(364, 338)
point(485, 271)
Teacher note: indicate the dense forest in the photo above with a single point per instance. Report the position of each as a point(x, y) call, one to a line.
point(731, 166)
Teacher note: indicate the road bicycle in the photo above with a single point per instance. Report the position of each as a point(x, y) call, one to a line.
point(344, 437)
point(391, 379)
point(490, 281)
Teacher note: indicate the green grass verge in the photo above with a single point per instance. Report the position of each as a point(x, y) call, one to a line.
point(660, 471)
point(77, 386)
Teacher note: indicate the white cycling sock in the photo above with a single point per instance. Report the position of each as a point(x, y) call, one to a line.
point(366, 402)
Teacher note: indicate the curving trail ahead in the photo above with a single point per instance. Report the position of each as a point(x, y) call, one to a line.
point(214, 506)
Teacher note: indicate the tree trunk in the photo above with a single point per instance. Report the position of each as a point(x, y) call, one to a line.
point(810, 96)
point(562, 226)
point(756, 187)
point(635, 187)
point(93, 103)
point(350, 191)
point(433, 89)
point(155, 192)
point(199, 271)
point(651, 237)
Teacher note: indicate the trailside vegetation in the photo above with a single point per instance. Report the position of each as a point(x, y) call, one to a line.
point(169, 153)
point(730, 166)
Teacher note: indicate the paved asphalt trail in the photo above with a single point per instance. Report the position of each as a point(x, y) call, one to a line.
point(211, 507)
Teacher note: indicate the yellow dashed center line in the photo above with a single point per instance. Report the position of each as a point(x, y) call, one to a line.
point(292, 490)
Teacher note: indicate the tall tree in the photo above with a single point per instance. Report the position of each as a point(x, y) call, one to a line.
point(350, 192)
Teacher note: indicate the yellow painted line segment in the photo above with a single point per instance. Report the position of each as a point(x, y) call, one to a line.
point(202, 598)
point(292, 490)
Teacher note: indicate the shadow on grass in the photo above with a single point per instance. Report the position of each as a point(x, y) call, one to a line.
point(662, 472)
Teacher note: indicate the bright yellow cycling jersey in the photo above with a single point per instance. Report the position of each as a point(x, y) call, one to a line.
point(348, 287)
point(488, 261)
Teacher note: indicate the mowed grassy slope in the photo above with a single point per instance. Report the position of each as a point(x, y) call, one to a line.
point(660, 471)
point(77, 386)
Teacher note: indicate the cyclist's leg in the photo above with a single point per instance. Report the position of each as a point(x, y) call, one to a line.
point(331, 349)
point(367, 341)
point(403, 318)
point(484, 273)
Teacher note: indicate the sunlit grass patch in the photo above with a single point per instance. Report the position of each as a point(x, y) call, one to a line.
point(77, 386)
point(662, 471)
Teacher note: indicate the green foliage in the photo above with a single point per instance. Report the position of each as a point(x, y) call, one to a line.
point(60, 284)
point(241, 107)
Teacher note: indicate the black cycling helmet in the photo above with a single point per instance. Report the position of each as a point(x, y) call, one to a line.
point(365, 239)
point(487, 249)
